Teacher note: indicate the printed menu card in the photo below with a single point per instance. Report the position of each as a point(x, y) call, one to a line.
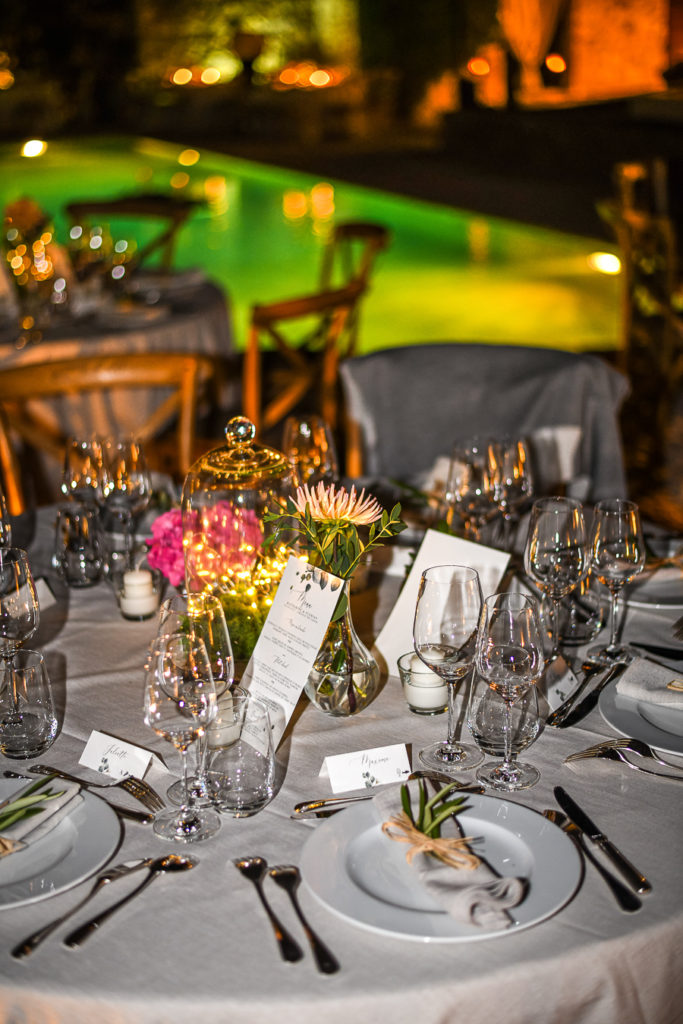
point(290, 639)
point(396, 637)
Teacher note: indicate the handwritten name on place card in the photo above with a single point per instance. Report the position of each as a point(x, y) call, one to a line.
point(109, 756)
point(367, 768)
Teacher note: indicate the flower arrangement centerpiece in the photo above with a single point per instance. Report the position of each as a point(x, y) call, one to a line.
point(335, 529)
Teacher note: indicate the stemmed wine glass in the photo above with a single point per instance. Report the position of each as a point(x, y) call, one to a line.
point(514, 484)
point(19, 609)
point(82, 473)
point(444, 633)
point(471, 487)
point(617, 552)
point(179, 704)
point(201, 616)
point(556, 555)
point(309, 446)
point(127, 487)
point(510, 659)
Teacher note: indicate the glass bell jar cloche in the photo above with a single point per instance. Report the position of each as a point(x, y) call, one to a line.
point(225, 495)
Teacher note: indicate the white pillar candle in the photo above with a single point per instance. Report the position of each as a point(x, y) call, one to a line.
point(138, 598)
point(424, 690)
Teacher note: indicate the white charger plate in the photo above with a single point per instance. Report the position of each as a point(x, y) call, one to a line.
point(362, 876)
point(82, 842)
point(628, 717)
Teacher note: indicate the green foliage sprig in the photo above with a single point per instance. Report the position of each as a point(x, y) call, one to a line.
point(29, 804)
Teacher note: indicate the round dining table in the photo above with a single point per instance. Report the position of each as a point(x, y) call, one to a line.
point(198, 945)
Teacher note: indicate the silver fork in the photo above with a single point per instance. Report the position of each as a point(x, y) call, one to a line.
point(27, 945)
point(642, 749)
point(614, 754)
point(141, 790)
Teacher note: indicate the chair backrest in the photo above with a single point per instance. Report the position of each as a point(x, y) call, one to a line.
point(351, 253)
point(406, 407)
point(170, 210)
point(310, 359)
point(178, 377)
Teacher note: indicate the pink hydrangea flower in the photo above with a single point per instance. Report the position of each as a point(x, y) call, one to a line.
point(166, 546)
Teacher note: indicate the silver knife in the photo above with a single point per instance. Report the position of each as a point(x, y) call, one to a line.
point(560, 713)
point(317, 806)
point(580, 710)
point(634, 878)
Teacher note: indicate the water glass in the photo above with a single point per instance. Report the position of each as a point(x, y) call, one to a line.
point(308, 443)
point(28, 724)
point(241, 756)
point(486, 720)
point(78, 551)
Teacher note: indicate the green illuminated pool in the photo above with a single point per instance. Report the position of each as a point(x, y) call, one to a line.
point(448, 275)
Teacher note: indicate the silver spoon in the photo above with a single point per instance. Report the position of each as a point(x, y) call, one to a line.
point(171, 862)
point(254, 868)
point(287, 876)
point(26, 947)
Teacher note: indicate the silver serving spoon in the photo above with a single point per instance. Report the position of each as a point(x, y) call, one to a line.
point(171, 862)
point(27, 945)
point(287, 876)
point(254, 868)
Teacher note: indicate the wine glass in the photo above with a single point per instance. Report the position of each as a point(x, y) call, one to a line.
point(510, 659)
point(5, 524)
point(514, 484)
point(444, 633)
point(309, 446)
point(617, 555)
point(82, 473)
point(487, 720)
point(179, 704)
point(471, 487)
point(201, 616)
point(19, 611)
point(556, 554)
point(127, 487)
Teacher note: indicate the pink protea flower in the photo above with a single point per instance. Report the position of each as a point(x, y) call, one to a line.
point(327, 504)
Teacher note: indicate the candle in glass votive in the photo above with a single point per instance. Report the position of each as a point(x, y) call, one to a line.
point(138, 598)
point(425, 692)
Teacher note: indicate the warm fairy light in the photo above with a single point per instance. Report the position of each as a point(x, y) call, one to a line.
point(556, 63)
point(289, 76)
point(294, 205)
point(181, 76)
point(322, 201)
point(210, 76)
point(188, 157)
point(320, 78)
point(604, 262)
point(180, 179)
point(6, 78)
point(478, 66)
point(34, 147)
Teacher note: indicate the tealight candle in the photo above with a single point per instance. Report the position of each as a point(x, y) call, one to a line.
point(138, 598)
point(424, 690)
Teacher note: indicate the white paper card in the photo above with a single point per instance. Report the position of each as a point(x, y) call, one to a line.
point(396, 636)
point(290, 639)
point(557, 683)
point(368, 768)
point(113, 757)
point(45, 596)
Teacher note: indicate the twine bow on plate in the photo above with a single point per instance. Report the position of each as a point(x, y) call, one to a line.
point(454, 852)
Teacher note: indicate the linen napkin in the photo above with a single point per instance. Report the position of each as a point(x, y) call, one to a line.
point(646, 681)
point(478, 897)
point(31, 829)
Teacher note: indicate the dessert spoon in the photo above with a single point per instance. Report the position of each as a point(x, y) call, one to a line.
point(288, 877)
point(254, 868)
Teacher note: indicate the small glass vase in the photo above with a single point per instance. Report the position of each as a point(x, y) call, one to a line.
point(345, 677)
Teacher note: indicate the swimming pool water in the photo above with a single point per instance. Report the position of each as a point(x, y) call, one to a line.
point(448, 274)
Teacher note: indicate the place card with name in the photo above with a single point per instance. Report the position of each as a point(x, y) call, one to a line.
point(396, 637)
point(367, 768)
point(289, 642)
point(113, 757)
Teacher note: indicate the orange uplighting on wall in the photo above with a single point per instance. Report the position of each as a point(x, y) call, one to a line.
point(556, 63)
point(478, 66)
point(181, 76)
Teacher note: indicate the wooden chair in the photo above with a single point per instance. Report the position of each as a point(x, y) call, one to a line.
point(170, 210)
point(349, 257)
point(305, 366)
point(184, 375)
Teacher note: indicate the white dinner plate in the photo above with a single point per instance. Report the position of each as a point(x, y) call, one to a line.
point(82, 842)
point(642, 721)
point(660, 589)
point(362, 876)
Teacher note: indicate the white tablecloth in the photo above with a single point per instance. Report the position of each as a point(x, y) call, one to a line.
point(199, 947)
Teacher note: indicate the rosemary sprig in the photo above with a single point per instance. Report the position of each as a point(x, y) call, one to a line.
point(28, 804)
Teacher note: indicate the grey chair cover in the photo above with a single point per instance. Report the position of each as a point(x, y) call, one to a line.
point(412, 403)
